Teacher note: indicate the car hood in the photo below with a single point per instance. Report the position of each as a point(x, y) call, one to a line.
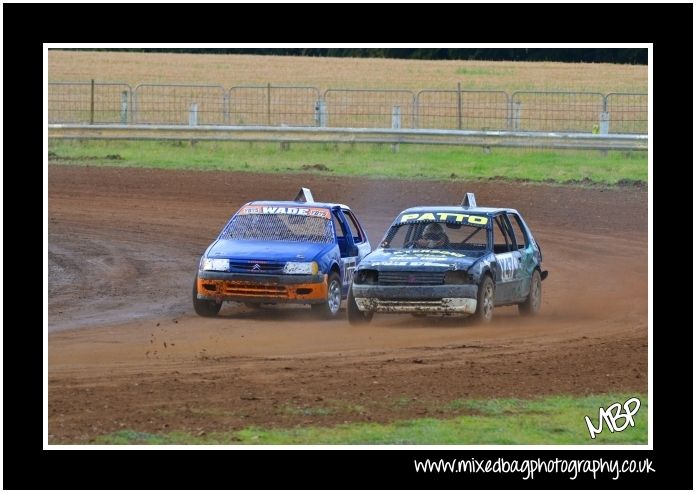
point(390, 259)
point(282, 251)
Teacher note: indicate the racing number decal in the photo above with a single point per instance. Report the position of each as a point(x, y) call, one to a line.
point(509, 264)
point(349, 269)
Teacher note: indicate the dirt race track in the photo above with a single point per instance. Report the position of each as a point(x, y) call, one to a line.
point(126, 350)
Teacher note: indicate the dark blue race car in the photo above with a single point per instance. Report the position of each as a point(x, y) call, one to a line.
point(282, 252)
point(450, 260)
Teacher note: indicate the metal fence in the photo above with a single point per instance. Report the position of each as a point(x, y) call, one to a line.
point(628, 113)
point(89, 102)
point(294, 106)
point(366, 108)
point(273, 105)
point(556, 111)
point(473, 110)
point(179, 104)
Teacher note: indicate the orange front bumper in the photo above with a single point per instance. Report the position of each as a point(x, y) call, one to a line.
point(260, 291)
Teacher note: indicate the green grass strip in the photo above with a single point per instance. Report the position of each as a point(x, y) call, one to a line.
point(413, 162)
point(557, 420)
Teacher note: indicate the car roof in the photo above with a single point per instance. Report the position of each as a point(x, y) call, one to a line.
point(290, 203)
point(484, 211)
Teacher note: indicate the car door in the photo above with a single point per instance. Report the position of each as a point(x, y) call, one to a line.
point(528, 263)
point(361, 245)
point(349, 250)
point(507, 277)
point(359, 237)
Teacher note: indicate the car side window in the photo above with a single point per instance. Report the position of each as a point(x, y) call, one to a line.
point(520, 235)
point(502, 235)
point(354, 228)
point(338, 226)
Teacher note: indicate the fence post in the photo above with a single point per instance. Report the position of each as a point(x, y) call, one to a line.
point(268, 105)
point(396, 123)
point(193, 115)
point(459, 105)
point(320, 113)
point(516, 112)
point(604, 122)
point(134, 105)
point(226, 109)
point(124, 107)
point(91, 104)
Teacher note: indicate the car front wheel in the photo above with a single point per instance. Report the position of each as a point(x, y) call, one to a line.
point(332, 305)
point(355, 316)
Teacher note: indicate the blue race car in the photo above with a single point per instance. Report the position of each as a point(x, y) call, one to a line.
point(282, 252)
point(450, 260)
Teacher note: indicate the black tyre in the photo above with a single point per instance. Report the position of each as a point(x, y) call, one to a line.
point(252, 305)
point(485, 301)
point(355, 316)
point(533, 303)
point(332, 305)
point(204, 308)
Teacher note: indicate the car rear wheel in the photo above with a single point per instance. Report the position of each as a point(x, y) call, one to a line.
point(485, 300)
point(355, 316)
point(533, 303)
point(204, 308)
point(332, 305)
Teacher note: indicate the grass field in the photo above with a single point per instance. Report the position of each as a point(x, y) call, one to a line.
point(557, 420)
point(324, 73)
point(370, 160)
point(412, 162)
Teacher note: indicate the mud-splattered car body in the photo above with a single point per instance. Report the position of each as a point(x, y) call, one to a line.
point(487, 257)
point(282, 252)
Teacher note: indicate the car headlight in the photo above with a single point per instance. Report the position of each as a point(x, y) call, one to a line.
point(365, 276)
point(457, 277)
point(219, 264)
point(301, 268)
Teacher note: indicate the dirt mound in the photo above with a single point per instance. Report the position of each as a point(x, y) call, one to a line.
point(315, 167)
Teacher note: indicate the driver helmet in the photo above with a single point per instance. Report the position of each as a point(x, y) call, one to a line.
point(433, 231)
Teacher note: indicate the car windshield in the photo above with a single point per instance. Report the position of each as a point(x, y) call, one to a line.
point(440, 235)
point(279, 227)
